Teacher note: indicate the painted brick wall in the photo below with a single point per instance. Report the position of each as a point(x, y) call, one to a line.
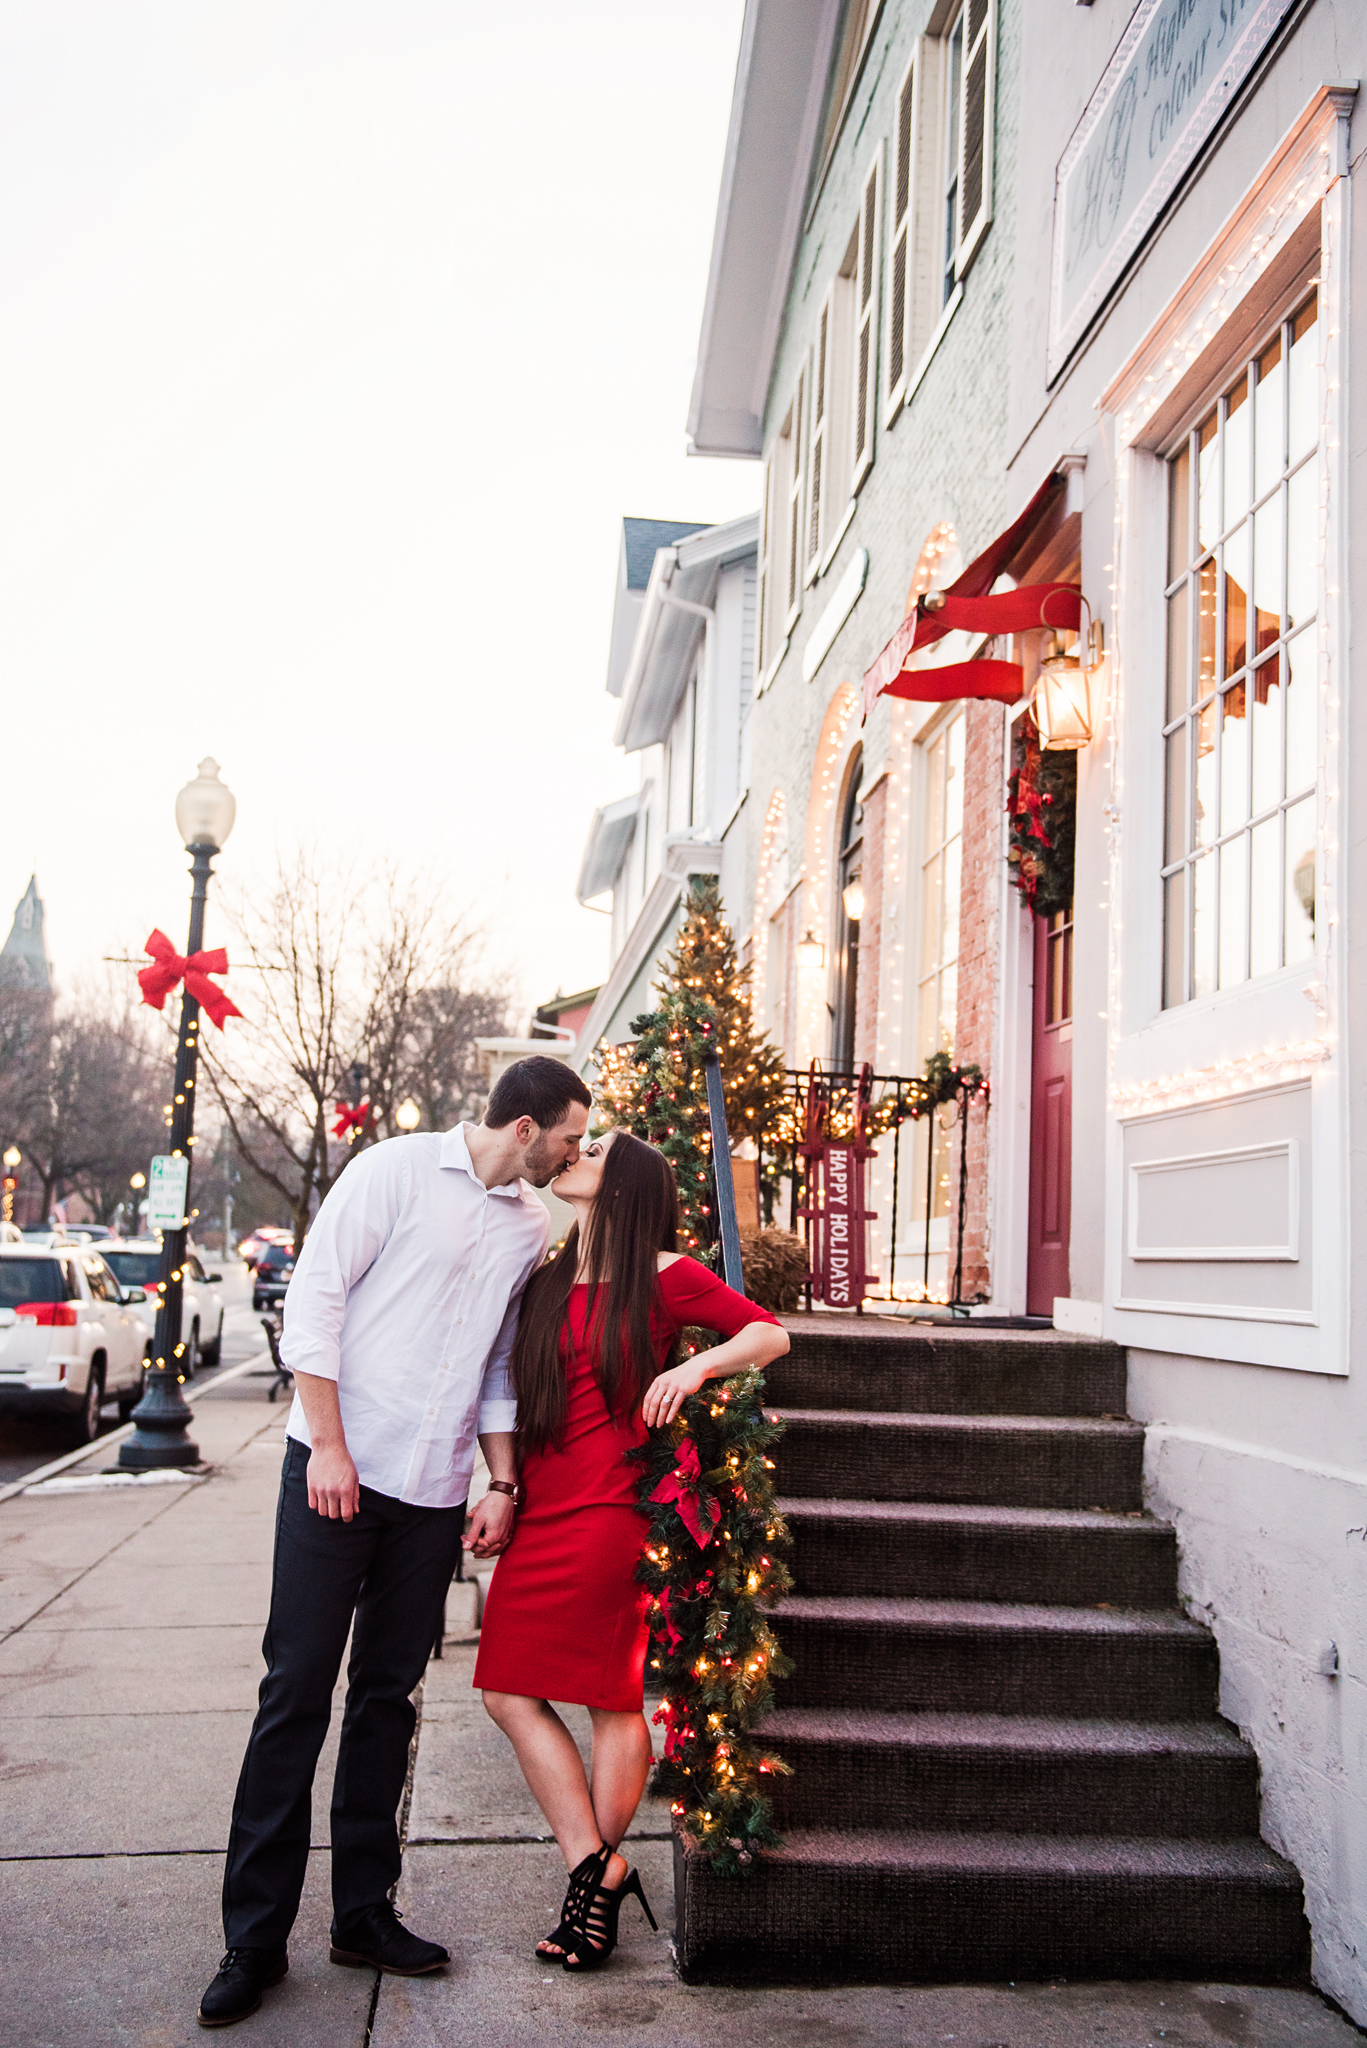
point(871, 926)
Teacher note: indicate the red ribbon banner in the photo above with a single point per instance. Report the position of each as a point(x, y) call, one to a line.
point(169, 968)
point(681, 1486)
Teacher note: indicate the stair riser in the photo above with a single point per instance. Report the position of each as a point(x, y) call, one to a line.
point(861, 1926)
point(949, 1376)
point(839, 1785)
point(817, 1461)
point(906, 1669)
point(1056, 1567)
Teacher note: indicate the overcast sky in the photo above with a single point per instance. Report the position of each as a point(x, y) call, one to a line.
point(335, 340)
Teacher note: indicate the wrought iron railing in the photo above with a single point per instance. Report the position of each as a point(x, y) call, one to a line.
point(868, 1112)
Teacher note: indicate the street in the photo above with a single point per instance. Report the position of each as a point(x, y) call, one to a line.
point(27, 1447)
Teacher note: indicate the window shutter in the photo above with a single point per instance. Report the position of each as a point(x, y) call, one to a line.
point(866, 330)
point(821, 406)
point(975, 128)
point(899, 278)
point(766, 523)
point(796, 451)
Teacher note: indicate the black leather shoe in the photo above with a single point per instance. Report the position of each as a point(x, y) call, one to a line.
point(242, 1976)
point(375, 1940)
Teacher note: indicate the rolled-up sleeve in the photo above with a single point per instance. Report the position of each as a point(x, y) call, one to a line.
point(348, 1234)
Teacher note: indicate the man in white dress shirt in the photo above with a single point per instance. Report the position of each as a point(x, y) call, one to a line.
point(399, 1326)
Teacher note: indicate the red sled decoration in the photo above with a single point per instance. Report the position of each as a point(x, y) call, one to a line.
point(835, 1211)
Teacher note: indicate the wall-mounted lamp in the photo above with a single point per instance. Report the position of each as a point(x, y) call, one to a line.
point(1062, 700)
point(852, 896)
point(810, 951)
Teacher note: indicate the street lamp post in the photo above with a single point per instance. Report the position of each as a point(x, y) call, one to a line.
point(205, 811)
point(136, 1183)
point(14, 1159)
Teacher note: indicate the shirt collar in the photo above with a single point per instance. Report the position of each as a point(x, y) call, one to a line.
point(455, 1152)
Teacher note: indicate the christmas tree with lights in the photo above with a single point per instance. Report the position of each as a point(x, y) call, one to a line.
point(656, 1086)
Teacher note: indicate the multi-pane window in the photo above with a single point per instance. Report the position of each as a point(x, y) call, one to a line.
point(954, 71)
point(1240, 731)
point(941, 869)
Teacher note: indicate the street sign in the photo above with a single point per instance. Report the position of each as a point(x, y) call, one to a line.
point(168, 1184)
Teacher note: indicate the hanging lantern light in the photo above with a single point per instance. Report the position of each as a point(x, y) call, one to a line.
point(852, 896)
point(1062, 701)
point(810, 951)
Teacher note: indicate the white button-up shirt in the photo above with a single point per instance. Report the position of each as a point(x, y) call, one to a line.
point(407, 1293)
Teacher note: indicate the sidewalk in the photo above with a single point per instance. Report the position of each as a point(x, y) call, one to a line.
point(130, 1658)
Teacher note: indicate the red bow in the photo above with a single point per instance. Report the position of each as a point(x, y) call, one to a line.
point(169, 968)
point(681, 1486)
point(349, 1119)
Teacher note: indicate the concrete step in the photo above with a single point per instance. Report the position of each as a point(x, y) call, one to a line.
point(944, 1551)
point(978, 1657)
point(875, 1362)
point(974, 1908)
point(1036, 1461)
point(1015, 1772)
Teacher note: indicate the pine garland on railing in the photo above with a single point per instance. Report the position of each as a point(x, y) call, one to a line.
point(712, 1565)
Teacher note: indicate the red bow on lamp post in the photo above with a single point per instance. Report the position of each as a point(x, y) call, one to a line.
point(169, 968)
point(351, 1120)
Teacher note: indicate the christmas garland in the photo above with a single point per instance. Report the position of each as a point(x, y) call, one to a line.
point(711, 1565)
point(1041, 803)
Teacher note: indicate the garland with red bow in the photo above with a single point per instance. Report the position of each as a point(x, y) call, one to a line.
point(1041, 803)
point(170, 968)
point(712, 1565)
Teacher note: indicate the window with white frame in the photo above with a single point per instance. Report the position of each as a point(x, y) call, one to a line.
point(1240, 732)
point(941, 175)
point(844, 379)
point(941, 874)
point(782, 541)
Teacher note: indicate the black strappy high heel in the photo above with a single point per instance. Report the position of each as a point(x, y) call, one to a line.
point(584, 1881)
point(594, 1938)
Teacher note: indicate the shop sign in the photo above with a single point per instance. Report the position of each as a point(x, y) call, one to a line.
point(841, 1219)
point(1174, 72)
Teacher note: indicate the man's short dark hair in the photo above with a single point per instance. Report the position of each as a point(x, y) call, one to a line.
point(540, 1088)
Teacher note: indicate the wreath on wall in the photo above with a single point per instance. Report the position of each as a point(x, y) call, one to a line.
point(1041, 803)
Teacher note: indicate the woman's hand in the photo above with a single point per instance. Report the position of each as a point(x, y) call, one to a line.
point(666, 1394)
point(489, 1530)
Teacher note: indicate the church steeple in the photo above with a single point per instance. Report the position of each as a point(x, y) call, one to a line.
point(23, 957)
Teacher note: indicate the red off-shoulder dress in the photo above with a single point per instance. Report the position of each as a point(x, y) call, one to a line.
point(565, 1618)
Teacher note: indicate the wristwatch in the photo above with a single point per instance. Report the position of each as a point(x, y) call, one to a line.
point(504, 1486)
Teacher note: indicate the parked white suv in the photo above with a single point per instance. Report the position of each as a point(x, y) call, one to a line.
point(70, 1336)
point(136, 1262)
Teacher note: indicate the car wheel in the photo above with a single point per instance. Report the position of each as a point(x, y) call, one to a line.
point(85, 1426)
point(192, 1360)
point(130, 1397)
point(212, 1353)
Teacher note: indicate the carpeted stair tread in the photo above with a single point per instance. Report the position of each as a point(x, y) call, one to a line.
point(1100, 1428)
point(975, 1514)
point(1019, 1734)
point(984, 1617)
point(883, 1364)
point(1244, 1859)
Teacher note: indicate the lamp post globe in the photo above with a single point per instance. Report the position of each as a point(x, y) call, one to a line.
point(408, 1116)
point(205, 811)
point(14, 1159)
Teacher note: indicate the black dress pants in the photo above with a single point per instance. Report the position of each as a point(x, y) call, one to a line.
point(390, 1568)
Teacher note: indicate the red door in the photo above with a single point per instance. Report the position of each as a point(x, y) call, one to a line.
point(1051, 1114)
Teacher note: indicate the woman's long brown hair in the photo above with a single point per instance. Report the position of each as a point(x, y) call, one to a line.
point(635, 1216)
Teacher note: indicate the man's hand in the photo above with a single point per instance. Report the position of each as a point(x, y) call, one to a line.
point(490, 1528)
point(666, 1394)
point(334, 1489)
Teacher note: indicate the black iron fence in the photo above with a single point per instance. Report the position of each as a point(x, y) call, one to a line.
point(917, 1179)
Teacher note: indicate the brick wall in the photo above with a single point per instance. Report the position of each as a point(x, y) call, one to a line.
point(984, 739)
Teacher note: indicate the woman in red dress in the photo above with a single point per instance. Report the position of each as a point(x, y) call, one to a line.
point(565, 1619)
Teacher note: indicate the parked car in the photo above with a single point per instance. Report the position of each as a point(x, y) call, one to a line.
point(45, 1238)
point(88, 1233)
point(136, 1262)
point(274, 1266)
point(252, 1246)
point(70, 1336)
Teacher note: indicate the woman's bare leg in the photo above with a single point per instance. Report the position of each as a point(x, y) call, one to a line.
point(621, 1765)
point(553, 1768)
